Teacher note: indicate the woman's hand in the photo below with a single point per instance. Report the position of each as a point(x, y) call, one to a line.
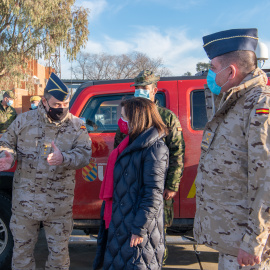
point(135, 240)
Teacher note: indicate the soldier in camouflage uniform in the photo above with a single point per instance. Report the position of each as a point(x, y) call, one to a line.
point(146, 86)
point(7, 112)
point(49, 144)
point(233, 184)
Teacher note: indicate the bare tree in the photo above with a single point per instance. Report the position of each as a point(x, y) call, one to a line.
point(108, 67)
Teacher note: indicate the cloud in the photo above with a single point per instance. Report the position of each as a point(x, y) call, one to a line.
point(118, 6)
point(179, 4)
point(179, 52)
point(246, 16)
point(174, 47)
point(96, 7)
point(94, 47)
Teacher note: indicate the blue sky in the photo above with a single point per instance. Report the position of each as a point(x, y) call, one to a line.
point(171, 29)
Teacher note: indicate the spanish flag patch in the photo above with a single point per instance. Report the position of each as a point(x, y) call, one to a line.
point(83, 127)
point(262, 111)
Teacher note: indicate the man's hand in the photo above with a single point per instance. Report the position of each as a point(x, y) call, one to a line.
point(245, 259)
point(135, 240)
point(168, 194)
point(55, 158)
point(6, 162)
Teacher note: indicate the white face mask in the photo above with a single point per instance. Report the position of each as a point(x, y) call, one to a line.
point(142, 93)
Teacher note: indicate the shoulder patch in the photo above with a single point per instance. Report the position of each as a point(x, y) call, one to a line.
point(83, 127)
point(262, 111)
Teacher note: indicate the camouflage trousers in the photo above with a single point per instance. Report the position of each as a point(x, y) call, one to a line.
point(228, 262)
point(25, 233)
point(168, 220)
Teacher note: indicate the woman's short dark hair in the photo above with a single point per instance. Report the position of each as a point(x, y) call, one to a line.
point(142, 114)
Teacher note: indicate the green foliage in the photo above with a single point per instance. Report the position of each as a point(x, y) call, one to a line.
point(202, 66)
point(33, 29)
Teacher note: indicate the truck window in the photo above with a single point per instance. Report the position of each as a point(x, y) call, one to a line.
point(198, 110)
point(101, 113)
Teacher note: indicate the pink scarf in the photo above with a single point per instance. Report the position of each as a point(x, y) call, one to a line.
point(106, 190)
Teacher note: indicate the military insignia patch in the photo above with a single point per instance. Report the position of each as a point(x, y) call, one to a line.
point(207, 139)
point(262, 111)
point(179, 129)
point(83, 127)
point(89, 172)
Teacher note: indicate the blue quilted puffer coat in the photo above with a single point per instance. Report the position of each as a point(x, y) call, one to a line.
point(139, 176)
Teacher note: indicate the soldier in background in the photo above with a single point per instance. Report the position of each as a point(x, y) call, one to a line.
point(7, 112)
point(146, 86)
point(233, 184)
point(34, 101)
point(49, 144)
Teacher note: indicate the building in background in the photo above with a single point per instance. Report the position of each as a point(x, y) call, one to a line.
point(34, 84)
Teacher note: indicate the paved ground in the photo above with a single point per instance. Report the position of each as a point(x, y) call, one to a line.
point(180, 256)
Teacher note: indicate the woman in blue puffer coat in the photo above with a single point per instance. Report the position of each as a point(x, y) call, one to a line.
point(136, 233)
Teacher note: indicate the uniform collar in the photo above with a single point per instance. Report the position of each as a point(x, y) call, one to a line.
point(256, 77)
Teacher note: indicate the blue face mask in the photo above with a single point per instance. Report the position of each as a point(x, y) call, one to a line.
point(10, 102)
point(33, 106)
point(211, 81)
point(142, 93)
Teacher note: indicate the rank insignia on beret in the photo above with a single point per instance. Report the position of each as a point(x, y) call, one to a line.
point(262, 111)
point(83, 127)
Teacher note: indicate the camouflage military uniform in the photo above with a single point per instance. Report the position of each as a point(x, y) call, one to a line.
point(7, 116)
point(232, 184)
point(42, 192)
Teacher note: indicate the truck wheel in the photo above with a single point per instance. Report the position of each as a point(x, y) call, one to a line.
point(6, 240)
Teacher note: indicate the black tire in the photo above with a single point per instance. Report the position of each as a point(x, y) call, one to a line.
point(6, 239)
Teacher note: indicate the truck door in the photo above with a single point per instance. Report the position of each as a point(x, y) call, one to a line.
point(192, 114)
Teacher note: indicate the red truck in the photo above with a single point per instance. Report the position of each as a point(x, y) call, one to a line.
point(97, 102)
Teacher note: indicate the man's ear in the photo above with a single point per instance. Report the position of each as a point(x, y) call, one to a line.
point(155, 89)
point(43, 100)
point(234, 71)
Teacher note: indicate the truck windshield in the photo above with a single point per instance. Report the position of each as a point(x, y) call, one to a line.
point(102, 113)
